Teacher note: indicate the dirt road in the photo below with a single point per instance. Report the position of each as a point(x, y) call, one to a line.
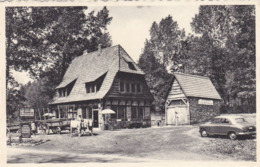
point(23, 155)
point(134, 145)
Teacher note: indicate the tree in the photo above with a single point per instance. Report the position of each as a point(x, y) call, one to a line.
point(230, 32)
point(36, 95)
point(25, 36)
point(36, 37)
point(161, 54)
point(156, 76)
point(166, 38)
point(84, 33)
point(44, 40)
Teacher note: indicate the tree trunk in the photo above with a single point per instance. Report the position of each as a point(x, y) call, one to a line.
point(39, 113)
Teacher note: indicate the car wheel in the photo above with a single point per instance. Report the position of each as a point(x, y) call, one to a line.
point(203, 133)
point(232, 135)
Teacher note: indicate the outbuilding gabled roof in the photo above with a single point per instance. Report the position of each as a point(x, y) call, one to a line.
point(91, 66)
point(196, 86)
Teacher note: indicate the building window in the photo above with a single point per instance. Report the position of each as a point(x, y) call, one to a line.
point(140, 112)
point(92, 88)
point(131, 66)
point(90, 113)
point(122, 86)
point(84, 113)
point(88, 88)
point(134, 112)
point(138, 87)
point(114, 108)
point(59, 92)
point(62, 92)
point(137, 112)
point(121, 112)
point(127, 85)
point(133, 87)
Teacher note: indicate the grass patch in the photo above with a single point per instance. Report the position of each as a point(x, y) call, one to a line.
point(237, 149)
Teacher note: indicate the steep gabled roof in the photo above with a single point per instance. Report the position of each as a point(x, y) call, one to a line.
point(197, 86)
point(91, 66)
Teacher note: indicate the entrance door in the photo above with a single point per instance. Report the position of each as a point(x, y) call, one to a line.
point(177, 115)
point(95, 117)
point(182, 115)
point(171, 116)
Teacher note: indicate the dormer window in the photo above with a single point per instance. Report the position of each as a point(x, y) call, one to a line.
point(62, 92)
point(90, 87)
point(65, 91)
point(87, 88)
point(131, 66)
point(94, 86)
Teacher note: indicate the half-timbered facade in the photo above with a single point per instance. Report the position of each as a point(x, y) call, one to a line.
point(107, 78)
point(191, 99)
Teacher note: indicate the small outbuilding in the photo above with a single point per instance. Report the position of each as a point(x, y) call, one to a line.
point(191, 99)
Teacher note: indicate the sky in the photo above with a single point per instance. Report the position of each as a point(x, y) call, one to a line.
point(131, 24)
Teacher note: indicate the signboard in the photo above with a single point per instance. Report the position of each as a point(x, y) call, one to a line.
point(26, 112)
point(205, 102)
point(26, 130)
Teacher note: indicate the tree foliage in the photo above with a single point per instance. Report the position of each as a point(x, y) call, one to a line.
point(222, 48)
point(161, 54)
point(44, 40)
point(230, 30)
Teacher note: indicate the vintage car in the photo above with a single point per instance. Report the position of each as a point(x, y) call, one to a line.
point(229, 125)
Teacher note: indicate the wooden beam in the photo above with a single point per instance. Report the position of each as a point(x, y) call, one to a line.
point(67, 108)
point(59, 110)
point(184, 101)
point(188, 108)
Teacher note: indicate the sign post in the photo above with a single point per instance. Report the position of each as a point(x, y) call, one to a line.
point(205, 102)
point(27, 112)
point(26, 130)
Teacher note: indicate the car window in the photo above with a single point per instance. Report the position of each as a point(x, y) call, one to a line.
point(225, 121)
point(240, 120)
point(216, 120)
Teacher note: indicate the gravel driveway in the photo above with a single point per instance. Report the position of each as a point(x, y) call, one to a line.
point(135, 145)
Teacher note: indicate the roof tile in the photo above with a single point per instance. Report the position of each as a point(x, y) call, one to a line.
point(89, 67)
point(197, 86)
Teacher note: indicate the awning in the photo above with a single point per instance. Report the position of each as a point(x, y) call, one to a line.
point(48, 115)
point(107, 111)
